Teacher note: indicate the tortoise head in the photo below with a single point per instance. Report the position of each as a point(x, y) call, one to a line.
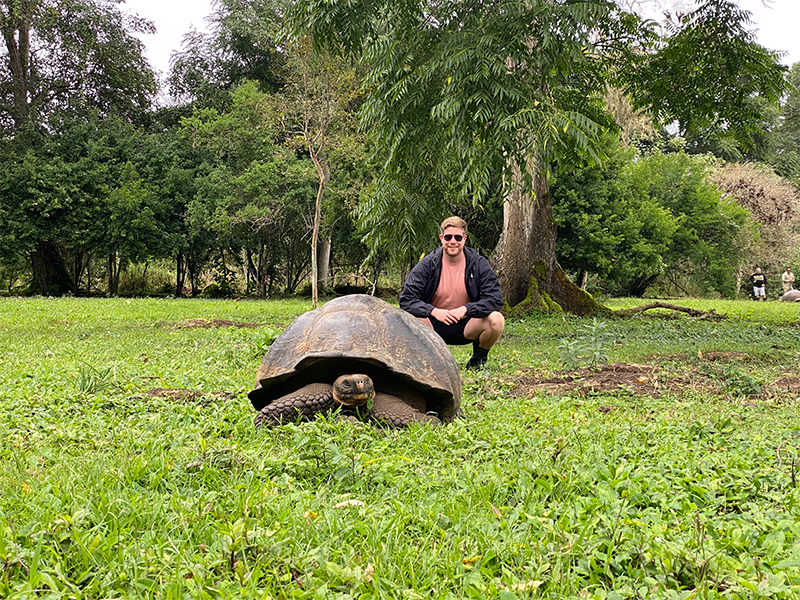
point(353, 390)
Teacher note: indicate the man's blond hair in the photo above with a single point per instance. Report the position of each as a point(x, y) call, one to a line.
point(453, 222)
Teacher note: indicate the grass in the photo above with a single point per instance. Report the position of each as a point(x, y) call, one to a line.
point(106, 492)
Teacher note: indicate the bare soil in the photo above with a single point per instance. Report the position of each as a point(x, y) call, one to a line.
point(644, 380)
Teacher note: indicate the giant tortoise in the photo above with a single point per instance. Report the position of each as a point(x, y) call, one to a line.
point(791, 296)
point(349, 351)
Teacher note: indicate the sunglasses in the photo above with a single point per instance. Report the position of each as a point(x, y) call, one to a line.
point(449, 236)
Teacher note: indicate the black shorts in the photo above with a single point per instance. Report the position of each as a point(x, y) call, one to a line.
point(451, 334)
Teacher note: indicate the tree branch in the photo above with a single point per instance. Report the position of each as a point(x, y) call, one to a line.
point(700, 314)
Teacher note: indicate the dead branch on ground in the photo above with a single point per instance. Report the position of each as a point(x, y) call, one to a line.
point(700, 314)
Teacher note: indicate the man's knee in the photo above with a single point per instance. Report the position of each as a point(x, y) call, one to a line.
point(488, 328)
point(496, 322)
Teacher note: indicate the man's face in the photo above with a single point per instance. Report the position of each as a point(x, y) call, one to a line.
point(453, 240)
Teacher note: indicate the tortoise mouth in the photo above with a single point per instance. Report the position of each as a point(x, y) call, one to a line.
point(353, 399)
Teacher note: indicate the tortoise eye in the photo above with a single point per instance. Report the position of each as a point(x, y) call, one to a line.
point(346, 384)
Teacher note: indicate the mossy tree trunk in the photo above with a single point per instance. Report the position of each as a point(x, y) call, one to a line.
point(525, 256)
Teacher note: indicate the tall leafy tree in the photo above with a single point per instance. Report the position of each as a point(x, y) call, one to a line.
point(241, 45)
point(63, 57)
point(60, 54)
point(255, 197)
point(74, 196)
point(460, 90)
point(706, 247)
point(710, 75)
point(318, 116)
point(614, 231)
point(786, 150)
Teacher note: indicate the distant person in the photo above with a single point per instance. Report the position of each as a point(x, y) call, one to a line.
point(787, 279)
point(454, 291)
point(759, 281)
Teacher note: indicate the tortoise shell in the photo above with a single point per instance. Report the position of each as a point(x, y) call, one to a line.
point(360, 334)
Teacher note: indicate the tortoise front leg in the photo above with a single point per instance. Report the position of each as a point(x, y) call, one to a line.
point(301, 405)
point(400, 412)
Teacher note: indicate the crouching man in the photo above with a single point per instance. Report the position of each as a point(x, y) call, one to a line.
point(454, 291)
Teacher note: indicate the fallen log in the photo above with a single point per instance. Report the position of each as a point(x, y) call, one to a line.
point(700, 314)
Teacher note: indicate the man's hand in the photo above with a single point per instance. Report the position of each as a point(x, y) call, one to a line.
point(448, 317)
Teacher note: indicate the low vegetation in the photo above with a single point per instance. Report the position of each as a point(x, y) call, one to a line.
point(662, 464)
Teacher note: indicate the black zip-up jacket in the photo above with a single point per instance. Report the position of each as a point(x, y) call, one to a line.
point(483, 288)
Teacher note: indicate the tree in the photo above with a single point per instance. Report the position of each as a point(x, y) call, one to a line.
point(316, 108)
point(610, 229)
point(707, 245)
point(472, 89)
point(62, 54)
point(64, 57)
point(775, 208)
point(710, 75)
point(255, 196)
point(241, 45)
point(785, 156)
point(73, 196)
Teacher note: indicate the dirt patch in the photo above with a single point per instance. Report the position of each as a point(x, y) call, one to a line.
point(179, 395)
point(647, 380)
point(713, 356)
point(210, 324)
point(786, 384)
point(644, 380)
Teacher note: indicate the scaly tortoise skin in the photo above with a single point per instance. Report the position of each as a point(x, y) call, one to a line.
point(403, 366)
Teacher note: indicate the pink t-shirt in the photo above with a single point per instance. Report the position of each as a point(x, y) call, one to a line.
point(452, 291)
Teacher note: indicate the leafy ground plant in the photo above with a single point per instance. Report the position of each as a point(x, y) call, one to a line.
point(589, 349)
point(680, 493)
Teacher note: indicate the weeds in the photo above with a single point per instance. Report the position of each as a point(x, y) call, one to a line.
point(91, 381)
point(262, 339)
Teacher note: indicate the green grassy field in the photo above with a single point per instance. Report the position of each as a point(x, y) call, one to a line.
point(678, 483)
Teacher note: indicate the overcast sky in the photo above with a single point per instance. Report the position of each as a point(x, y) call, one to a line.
point(777, 25)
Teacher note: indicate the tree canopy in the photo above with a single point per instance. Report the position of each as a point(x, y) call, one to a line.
point(71, 54)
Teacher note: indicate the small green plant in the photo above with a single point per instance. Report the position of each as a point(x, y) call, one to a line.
point(739, 382)
point(262, 340)
point(90, 380)
point(589, 350)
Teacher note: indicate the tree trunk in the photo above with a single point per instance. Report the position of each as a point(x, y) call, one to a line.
point(16, 34)
point(194, 270)
point(180, 274)
point(77, 266)
point(261, 273)
point(324, 262)
point(525, 256)
point(50, 275)
point(323, 172)
point(113, 271)
point(314, 238)
point(259, 270)
point(144, 277)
